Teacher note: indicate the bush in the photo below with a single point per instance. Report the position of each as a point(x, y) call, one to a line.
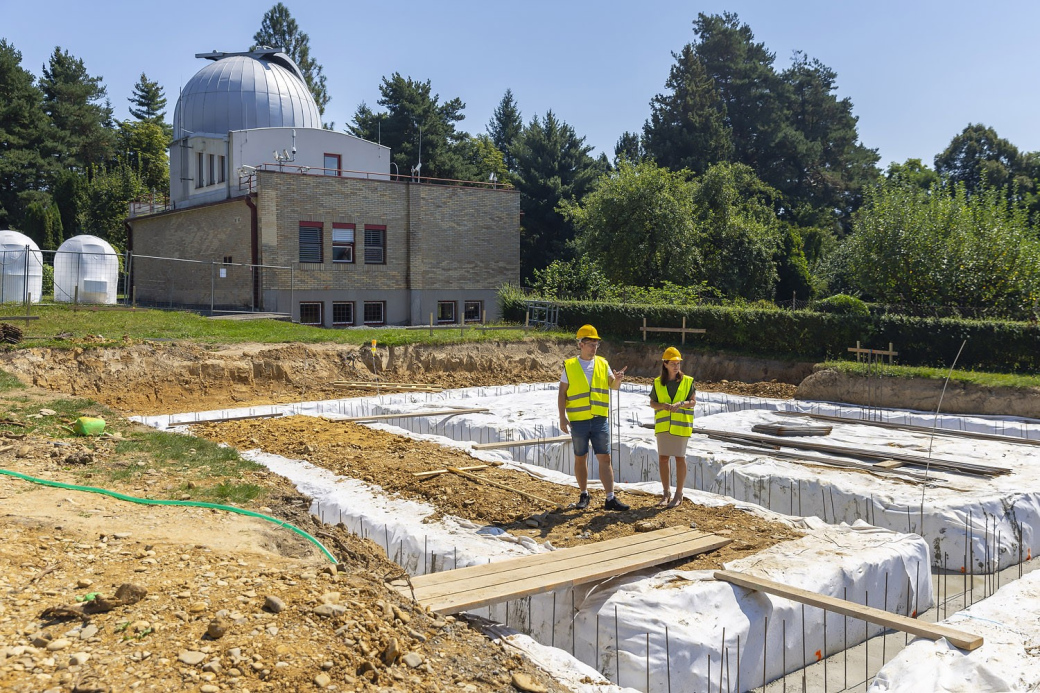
point(842, 304)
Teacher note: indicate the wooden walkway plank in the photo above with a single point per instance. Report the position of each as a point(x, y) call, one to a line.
point(477, 586)
point(577, 575)
point(932, 631)
point(546, 559)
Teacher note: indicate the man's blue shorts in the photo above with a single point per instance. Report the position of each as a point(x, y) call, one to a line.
point(594, 430)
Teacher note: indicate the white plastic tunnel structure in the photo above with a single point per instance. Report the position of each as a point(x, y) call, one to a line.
point(86, 269)
point(22, 268)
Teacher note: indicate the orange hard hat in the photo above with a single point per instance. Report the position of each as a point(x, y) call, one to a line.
point(671, 354)
point(587, 332)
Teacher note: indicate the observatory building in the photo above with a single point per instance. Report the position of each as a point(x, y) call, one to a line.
point(269, 211)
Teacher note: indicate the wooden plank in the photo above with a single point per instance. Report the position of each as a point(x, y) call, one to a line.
point(691, 330)
point(241, 417)
point(932, 631)
point(379, 383)
point(918, 429)
point(547, 560)
point(489, 482)
point(412, 415)
point(520, 443)
point(934, 462)
point(437, 472)
point(868, 467)
point(540, 566)
point(599, 570)
point(529, 575)
point(890, 464)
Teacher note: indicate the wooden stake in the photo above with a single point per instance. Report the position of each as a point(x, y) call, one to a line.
point(474, 477)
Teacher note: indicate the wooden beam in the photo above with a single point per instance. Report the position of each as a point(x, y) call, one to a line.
point(437, 472)
point(520, 443)
point(241, 417)
point(879, 455)
point(1014, 440)
point(489, 482)
point(932, 631)
point(412, 415)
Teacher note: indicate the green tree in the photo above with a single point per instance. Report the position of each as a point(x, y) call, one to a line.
point(629, 148)
point(552, 165)
point(144, 144)
point(505, 126)
point(575, 279)
point(481, 158)
point(416, 126)
point(82, 117)
point(821, 169)
point(278, 29)
point(27, 144)
point(106, 199)
point(638, 225)
point(913, 171)
point(738, 232)
point(978, 157)
point(148, 104)
point(43, 222)
point(944, 246)
point(687, 125)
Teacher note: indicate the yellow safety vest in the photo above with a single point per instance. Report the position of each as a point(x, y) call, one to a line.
point(584, 400)
point(678, 423)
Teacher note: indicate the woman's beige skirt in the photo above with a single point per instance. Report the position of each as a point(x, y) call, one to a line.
point(671, 445)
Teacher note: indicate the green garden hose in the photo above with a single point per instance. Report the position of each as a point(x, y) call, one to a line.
point(193, 504)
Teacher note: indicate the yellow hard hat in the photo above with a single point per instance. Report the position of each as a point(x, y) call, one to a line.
point(587, 332)
point(671, 354)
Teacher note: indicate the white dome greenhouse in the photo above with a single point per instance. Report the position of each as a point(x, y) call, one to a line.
point(21, 265)
point(86, 269)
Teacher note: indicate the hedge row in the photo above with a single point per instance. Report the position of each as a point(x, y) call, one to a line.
point(1000, 346)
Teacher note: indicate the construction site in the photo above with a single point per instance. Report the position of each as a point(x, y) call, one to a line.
point(820, 545)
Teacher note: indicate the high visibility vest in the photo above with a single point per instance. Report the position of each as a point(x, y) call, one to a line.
point(585, 400)
point(678, 423)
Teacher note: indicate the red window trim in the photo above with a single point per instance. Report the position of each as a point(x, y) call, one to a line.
point(339, 164)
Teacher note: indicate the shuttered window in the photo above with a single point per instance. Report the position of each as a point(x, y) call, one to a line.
point(375, 245)
point(310, 242)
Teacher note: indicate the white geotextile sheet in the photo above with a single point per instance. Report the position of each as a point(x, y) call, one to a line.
point(1009, 659)
point(975, 523)
point(841, 561)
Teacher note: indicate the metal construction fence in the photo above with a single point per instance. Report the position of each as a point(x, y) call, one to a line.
point(35, 276)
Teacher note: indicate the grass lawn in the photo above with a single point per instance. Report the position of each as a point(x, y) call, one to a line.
point(142, 324)
point(973, 377)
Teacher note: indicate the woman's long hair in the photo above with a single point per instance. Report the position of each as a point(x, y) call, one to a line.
point(664, 373)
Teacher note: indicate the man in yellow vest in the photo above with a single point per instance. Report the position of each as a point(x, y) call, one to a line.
point(584, 403)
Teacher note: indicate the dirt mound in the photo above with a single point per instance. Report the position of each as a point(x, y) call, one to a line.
point(921, 394)
point(161, 377)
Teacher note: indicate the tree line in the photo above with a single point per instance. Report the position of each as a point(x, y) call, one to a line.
point(747, 181)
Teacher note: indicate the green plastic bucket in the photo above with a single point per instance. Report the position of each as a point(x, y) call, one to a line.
point(88, 426)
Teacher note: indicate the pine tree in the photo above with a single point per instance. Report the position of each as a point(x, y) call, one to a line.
point(76, 104)
point(505, 126)
point(278, 29)
point(148, 100)
point(27, 144)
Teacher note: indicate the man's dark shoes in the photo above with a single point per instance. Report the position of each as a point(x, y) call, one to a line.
point(583, 501)
point(615, 504)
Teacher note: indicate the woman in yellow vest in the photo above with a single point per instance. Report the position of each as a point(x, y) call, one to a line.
point(672, 400)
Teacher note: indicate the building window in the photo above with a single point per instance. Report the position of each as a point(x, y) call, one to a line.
point(221, 172)
point(332, 164)
point(342, 313)
point(310, 242)
point(211, 178)
point(227, 259)
point(199, 161)
point(343, 243)
point(310, 313)
point(446, 311)
point(375, 245)
point(375, 312)
point(472, 311)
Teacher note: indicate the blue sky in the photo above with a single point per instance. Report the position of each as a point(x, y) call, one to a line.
point(916, 71)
